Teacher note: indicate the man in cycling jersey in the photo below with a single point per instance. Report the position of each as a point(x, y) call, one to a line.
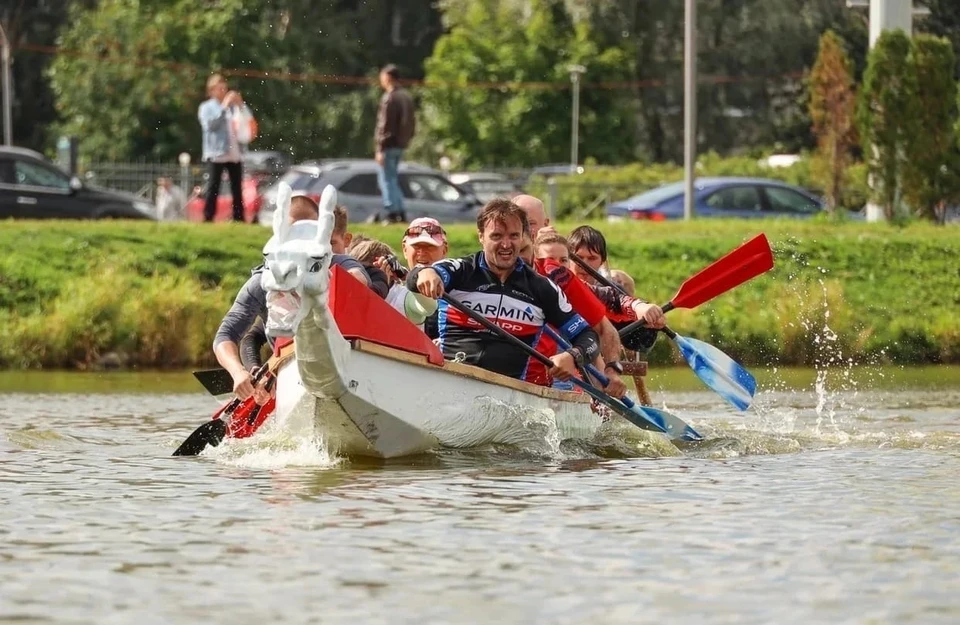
point(496, 283)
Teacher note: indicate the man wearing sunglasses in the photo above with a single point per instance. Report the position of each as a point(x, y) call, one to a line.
point(424, 243)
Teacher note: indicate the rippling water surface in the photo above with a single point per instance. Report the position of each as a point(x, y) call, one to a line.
point(834, 499)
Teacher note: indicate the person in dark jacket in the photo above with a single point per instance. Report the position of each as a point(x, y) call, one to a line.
point(396, 125)
point(498, 285)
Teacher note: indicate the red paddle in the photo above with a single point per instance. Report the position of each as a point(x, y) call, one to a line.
point(744, 263)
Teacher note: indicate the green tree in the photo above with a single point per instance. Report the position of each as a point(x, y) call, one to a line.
point(750, 57)
point(931, 175)
point(884, 109)
point(33, 105)
point(502, 42)
point(132, 73)
point(832, 108)
point(944, 21)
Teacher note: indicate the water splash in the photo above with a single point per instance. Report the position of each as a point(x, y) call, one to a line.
point(266, 451)
point(289, 441)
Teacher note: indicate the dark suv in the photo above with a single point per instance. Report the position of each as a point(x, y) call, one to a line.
point(31, 187)
point(426, 192)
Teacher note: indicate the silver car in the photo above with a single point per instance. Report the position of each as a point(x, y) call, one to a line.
point(426, 192)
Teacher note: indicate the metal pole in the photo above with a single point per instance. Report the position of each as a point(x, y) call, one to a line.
point(575, 72)
point(7, 90)
point(689, 104)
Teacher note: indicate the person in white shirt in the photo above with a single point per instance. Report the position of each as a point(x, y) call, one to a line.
point(220, 145)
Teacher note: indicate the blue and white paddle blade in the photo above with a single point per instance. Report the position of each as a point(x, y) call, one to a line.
point(673, 426)
point(718, 371)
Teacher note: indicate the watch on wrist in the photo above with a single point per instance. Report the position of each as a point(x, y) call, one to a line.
point(616, 365)
point(577, 354)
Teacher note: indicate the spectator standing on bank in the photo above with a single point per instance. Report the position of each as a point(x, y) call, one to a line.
point(220, 145)
point(396, 125)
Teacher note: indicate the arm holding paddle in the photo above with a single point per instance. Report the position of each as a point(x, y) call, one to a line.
point(716, 369)
point(651, 313)
point(644, 417)
point(591, 308)
point(242, 314)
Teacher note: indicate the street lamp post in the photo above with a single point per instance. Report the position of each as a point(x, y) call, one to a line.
point(7, 89)
point(575, 72)
point(689, 105)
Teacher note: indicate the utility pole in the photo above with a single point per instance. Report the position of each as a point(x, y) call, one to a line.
point(7, 89)
point(575, 72)
point(689, 105)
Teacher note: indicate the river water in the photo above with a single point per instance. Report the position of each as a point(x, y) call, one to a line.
point(834, 499)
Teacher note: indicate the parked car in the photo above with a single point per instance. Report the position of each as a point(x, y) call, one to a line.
point(31, 187)
point(721, 197)
point(252, 186)
point(487, 185)
point(557, 169)
point(269, 162)
point(426, 192)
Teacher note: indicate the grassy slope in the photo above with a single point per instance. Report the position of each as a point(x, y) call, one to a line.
point(70, 291)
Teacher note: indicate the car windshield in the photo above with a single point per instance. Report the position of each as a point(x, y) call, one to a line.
point(654, 196)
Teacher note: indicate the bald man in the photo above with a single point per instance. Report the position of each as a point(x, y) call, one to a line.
point(536, 215)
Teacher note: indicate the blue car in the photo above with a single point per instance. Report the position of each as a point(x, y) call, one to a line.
point(720, 197)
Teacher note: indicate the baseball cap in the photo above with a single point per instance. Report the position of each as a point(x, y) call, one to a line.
point(425, 230)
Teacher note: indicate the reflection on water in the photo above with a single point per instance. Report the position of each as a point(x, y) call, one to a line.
point(840, 506)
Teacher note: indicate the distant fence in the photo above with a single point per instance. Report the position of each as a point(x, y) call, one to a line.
point(140, 178)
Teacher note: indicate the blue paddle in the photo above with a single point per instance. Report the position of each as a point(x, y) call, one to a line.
point(644, 418)
point(674, 425)
point(716, 369)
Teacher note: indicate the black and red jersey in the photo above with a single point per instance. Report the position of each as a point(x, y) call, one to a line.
point(521, 305)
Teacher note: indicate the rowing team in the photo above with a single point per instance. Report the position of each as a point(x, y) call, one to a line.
point(526, 277)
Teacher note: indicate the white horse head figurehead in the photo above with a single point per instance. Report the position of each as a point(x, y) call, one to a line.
point(297, 258)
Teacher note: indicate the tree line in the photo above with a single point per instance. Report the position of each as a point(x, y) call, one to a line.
point(491, 76)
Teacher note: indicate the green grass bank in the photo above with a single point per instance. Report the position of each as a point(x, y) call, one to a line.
point(71, 292)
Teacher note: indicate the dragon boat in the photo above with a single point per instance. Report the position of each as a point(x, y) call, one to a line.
point(372, 382)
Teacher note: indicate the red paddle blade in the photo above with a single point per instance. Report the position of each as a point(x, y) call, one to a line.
point(248, 418)
point(747, 261)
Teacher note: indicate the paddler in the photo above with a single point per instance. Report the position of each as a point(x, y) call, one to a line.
point(580, 298)
point(424, 242)
point(590, 247)
point(496, 283)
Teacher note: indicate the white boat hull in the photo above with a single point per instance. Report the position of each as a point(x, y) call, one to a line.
point(370, 400)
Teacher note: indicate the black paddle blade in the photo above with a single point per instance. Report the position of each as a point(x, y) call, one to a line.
point(210, 433)
point(216, 381)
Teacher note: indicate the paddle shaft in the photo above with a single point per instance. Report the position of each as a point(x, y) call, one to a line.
point(717, 370)
point(604, 380)
point(639, 323)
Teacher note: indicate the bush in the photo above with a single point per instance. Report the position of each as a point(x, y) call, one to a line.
point(156, 292)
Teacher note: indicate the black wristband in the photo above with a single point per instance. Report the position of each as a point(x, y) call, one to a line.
point(577, 354)
point(616, 365)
